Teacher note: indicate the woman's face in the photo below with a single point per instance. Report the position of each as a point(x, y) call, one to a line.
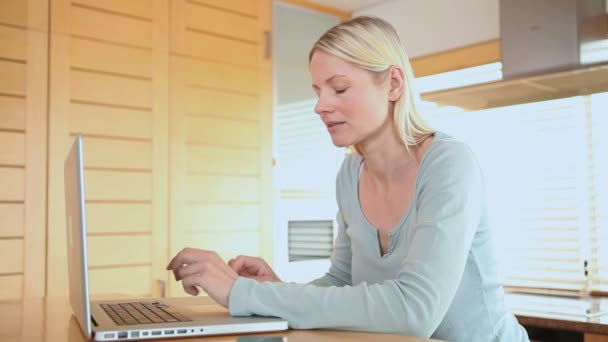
point(353, 103)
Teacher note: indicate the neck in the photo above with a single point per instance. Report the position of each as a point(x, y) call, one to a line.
point(386, 158)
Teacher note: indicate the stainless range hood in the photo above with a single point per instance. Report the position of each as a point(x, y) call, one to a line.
point(543, 44)
point(538, 36)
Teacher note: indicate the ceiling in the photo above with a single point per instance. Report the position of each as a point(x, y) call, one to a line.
point(347, 5)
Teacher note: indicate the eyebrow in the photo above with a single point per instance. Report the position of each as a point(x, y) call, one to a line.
point(329, 80)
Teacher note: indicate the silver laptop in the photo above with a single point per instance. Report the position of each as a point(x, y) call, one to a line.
point(146, 318)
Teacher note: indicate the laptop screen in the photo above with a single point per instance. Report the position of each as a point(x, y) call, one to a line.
point(76, 234)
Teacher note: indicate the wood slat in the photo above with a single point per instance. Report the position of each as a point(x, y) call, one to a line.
point(101, 120)
point(13, 78)
point(220, 22)
point(13, 12)
point(118, 250)
point(222, 160)
point(220, 104)
point(464, 57)
point(223, 132)
point(108, 89)
point(119, 217)
point(12, 148)
point(11, 253)
point(11, 317)
point(12, 288)
point(125, 280)
point(224, 50)
point(247, 7)
point(87, 22)
point(13, 43)
point(216, 75)
point(113, 185)
point(122, 154)
point(12, 183)
point(223, 217)
point(227, 245)
point(12, 113)
point(222, 189)
point(107, 57)
point(138, 8)
point(12, 216)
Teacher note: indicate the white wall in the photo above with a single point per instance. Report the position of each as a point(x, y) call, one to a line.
point(295, 31)
point(431, 26)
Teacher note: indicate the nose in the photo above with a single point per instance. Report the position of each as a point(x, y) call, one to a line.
point(323, 105)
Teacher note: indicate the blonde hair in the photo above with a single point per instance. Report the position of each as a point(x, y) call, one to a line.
point(373, 44)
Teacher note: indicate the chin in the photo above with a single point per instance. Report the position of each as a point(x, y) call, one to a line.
point(341, 142)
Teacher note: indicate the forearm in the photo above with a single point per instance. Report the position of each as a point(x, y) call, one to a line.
point(388, 307)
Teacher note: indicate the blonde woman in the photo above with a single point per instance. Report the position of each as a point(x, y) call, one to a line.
point(413, 253)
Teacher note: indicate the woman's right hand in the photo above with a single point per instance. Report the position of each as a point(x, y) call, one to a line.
point(253, 267)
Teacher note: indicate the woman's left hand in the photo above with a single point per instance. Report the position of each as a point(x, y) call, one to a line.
point(205, 269)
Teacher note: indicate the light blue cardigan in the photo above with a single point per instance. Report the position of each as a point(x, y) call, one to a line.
point(439, 278)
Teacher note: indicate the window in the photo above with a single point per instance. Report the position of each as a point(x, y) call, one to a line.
point(541, 164)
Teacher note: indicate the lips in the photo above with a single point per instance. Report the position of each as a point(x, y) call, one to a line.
point(333, 126)
point(334, 123)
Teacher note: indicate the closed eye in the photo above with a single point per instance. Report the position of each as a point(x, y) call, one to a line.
point(341, 91)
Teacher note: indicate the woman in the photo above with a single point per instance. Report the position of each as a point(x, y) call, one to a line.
point(413, 253)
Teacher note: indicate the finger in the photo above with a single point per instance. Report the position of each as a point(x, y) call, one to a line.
point(187, 256)
point(189, 285)
point(185, 271)
point(242, 263)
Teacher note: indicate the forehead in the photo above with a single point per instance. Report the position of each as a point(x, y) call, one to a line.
point(323, 66)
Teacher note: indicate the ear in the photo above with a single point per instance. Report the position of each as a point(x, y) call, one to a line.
point(396, 81)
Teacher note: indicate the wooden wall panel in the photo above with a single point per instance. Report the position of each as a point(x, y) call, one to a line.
point(93, 55)
point(110, 90)
point(86, 22)
point(135, 8)
point(230, 51)
point(215, 159)
point(221, 217)
point(12, 287)
point(14, 12)
point(113, 218)
point(12, 320)
point(217, 103)
point(12, 113)
point(220, 108)
point(222, 188)
point(221, 22)
point(12, 217)
point(126, 250)
point(12, 183)
point(122, 154)
point(11, 253)
point(134, 280)
point(99, 120)
point(110, 83)
point(117, 186)
point(12, 149)
point(12, 81)
point(215, 131)
point(247, 7)
point(13, 43)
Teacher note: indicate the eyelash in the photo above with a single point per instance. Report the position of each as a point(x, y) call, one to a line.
point(341, 91)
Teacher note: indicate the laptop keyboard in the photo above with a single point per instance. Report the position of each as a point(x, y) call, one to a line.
point(143, 313)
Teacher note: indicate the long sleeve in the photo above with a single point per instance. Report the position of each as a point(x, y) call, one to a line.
point(449, 208)
point(339, 272)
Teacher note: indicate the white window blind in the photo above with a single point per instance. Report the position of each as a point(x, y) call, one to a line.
point(599, 192)
point(307, 161)
point(310, 240)
point(535, 161)
point(306, 169)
